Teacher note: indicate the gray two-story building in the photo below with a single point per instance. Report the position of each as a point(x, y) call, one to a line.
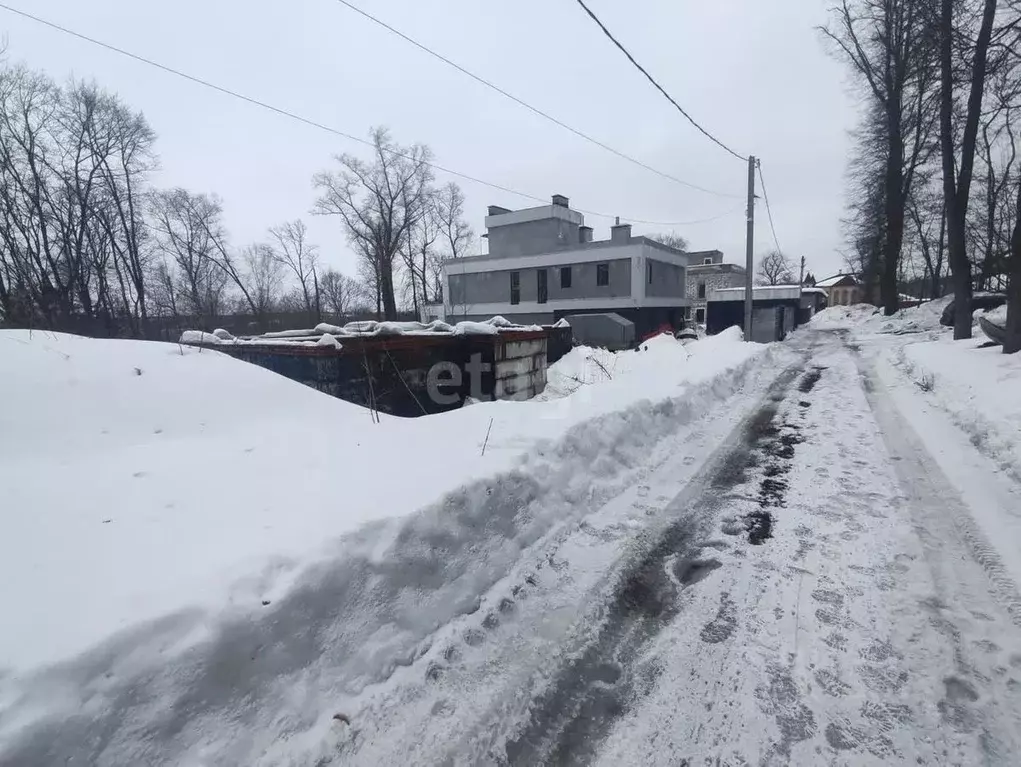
point(543, 265)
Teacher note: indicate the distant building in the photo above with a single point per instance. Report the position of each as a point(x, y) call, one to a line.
point(841, 289)
point(776, 309)
point(706, 274)
point(543, 265)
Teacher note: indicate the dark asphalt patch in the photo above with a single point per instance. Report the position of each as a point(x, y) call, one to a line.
point(773, 444)
point(810, 380)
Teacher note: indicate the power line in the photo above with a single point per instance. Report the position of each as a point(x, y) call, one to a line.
point(650, 78)
point(306, 121)
point(525, 104)
point(769, 213)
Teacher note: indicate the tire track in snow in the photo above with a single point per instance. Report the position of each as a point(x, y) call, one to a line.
point(831, 643)
point(567, 723)
point(980, 702)
point(473, 697)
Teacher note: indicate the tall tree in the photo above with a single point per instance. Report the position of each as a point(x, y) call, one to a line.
point(73, 164)
point(420, 251)
point(1012, 339)
point(958, 162)
point(188, 232)
point(301, 258)
point(379, 203)
point(340, 293)
point(264, 277)
point(888, 46)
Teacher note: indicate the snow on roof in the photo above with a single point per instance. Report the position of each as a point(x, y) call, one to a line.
point(829, 282)
point(361, 329)
point(759, 292)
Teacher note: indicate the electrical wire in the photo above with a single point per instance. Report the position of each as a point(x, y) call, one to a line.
point(659, 87)
point(310, 122)
point(769, 212)
point(525, 104)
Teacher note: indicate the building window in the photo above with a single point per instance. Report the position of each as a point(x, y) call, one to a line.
point(701, 290)
point(707, 261)
point(602, 275)
point(648, 271)
point(565, 276)
point(515, 279)
point(700, 315)
point(542, 287)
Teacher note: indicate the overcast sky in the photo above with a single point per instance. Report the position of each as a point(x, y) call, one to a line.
point(753, 72)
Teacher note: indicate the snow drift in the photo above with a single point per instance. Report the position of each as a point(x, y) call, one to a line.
point(865, 318)
point(195, 494)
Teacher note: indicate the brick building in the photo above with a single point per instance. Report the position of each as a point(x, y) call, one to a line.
point(707, 273)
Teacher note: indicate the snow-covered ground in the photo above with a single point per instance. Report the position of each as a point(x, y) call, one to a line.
point(157, 495)
point(868, 629)
point(718, 553)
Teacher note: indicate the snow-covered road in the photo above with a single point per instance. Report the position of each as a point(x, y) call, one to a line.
point(793, 579)
point(815, 594)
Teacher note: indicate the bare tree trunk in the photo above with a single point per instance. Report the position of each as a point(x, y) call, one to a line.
point(888, 292)
point(957, 186)
point(1012, 339)
point(937, 278)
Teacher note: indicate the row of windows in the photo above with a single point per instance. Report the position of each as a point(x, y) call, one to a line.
point(542, 285)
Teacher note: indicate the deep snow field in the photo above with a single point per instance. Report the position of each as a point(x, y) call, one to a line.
point(153, 492)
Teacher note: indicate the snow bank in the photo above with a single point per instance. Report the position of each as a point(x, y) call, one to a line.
point(659, 356)
point(865, 318)
point(196, 487)
point(997, 316)
point(196, 495)
point(979, 388)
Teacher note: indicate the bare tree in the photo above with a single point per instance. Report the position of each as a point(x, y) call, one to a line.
point(379, 203)
point(958, 162)
point(340, 293)
point(888, 45)
point(264, 275)
point(929, 231)
point(122, 144)
point(458, 239)
point(295, 253)
point(673, 240)
point(187, 229)
point(419, 251)
point(73, 162)
point(1012, 338)
point(775, 269)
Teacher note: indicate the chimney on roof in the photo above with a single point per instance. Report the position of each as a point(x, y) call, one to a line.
point(620, 232)
point(584, 234)
point(559, 199)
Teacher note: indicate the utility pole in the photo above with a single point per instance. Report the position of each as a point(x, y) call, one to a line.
point(749, 255)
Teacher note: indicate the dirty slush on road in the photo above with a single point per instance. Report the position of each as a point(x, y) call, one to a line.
point(568, 722)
